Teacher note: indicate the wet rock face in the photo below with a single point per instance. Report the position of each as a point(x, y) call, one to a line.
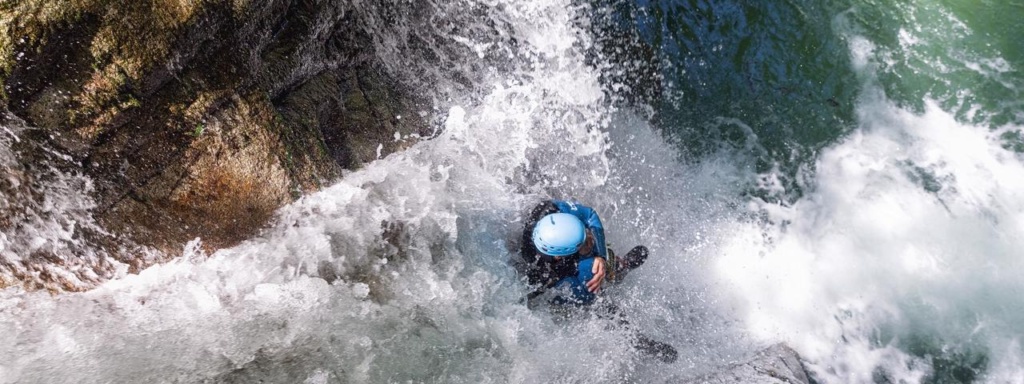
point(193, 118)
point(777, 364)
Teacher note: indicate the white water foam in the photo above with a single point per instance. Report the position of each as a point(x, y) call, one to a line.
point(44, 213)
point(400, 271)
point(904, 255)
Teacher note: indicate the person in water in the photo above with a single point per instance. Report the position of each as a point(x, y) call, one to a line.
point(563, 246)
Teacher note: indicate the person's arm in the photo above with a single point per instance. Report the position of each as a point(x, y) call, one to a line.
point(590, 219)
point(599, 268)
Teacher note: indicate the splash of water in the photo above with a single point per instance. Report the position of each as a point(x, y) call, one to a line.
point(400, 271)
point(901, 264)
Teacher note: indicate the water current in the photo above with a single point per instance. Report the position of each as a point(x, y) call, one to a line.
point(845, 178)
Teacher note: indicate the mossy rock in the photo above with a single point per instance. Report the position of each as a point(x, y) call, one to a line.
point(197, 118)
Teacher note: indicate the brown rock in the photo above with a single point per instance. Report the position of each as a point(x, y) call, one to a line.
point(187, 118)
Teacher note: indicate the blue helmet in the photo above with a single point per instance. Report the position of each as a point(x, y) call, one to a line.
point(559, 234)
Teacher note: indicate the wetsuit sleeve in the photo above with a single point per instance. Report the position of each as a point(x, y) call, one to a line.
point(590, 219)
point(526, 247)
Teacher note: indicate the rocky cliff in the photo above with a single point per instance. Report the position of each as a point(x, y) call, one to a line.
point(184, 119)
point(778, 364)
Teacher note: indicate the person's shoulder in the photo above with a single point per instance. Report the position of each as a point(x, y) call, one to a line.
point(567, 205)
point(572, 205)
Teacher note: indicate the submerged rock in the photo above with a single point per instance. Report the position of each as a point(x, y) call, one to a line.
point(777, 364)
point(189, 118)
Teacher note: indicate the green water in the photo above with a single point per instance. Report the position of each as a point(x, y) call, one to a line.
point(784, 70)
point(773, 84)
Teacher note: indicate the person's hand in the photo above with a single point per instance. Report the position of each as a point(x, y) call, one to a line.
point(598, 269)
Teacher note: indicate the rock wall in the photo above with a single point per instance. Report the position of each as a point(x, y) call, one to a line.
point(778, 364)
point(187, 118)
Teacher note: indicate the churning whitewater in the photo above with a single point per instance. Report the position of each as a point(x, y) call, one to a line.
point(400, 272)
point(903, 262)
point(899, 262)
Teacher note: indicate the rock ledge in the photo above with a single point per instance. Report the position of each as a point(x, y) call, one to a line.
point(775, 365)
